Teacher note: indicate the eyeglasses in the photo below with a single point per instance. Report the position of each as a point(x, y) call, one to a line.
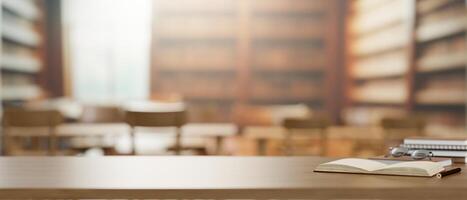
point(415, 154)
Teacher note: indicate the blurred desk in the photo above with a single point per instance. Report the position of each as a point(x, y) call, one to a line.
point(93, 134)
point(261, 134)
point(207, 178)
point(217, 131)
point(92, 129)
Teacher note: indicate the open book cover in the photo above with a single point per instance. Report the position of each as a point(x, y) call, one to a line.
point(364, 166)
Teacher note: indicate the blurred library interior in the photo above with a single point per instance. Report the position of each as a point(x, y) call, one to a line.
point(231, 77)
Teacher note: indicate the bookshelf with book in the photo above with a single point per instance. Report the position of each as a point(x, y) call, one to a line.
point(194, 55)
point(235, 54)
point(440, 62)
point(22, 50)
point(378, 61)
point(411, 59)
point(295, 63)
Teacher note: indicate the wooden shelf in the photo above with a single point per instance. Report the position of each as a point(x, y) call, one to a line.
point(25, 9)
point(209, 97)
point(284, 7)
point(443, 97)
point(379, 18)
point(381, 91)
point(444, 89)
point(290, 28)
point(17, 63)
point(447, 61)
point(221, 58)
point(195, 69)
point(199, 87)
point(282, 89)
point(381, 41)
point(445, 28)
point(284, 99)
point(385, 65)
point(427, 6)
point(289, 70)
point(282, 58)
point(380, 100)
point(365, 5)
point(195, 7)
point(20, 34)
point(20, 92)
point(196, 27)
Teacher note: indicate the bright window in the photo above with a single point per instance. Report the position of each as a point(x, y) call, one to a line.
point(108, 44)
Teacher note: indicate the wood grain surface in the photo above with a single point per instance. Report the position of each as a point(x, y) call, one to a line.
point(206, 178)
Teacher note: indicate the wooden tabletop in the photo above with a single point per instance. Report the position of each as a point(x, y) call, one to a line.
point(206, 178)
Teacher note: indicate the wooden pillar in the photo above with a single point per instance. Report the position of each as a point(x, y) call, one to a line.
point(52, 77)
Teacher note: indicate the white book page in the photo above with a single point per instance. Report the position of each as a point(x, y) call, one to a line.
point(425, 165)
point(366, 165)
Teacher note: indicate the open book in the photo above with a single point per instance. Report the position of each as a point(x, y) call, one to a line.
point(364, 166)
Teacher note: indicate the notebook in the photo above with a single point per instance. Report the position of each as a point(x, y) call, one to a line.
point(434, 141)
point(440, 153)
point(365, 166)
point(436, 147)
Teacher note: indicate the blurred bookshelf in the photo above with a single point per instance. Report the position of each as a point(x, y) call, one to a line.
point(408, 56)
point(440, 62)
point(22, 50)
point(194, 55)
point(227, 55)
point(378, 48)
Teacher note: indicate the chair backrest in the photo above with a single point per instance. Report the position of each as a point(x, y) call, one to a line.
point(101, 114)
point(22, 118)
point(309, 123)
point(415, 123)
point(175, 118)
point(155, 119)
point(31, 118)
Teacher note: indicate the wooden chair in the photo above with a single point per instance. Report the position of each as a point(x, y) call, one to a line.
point(156, 119)
point(311, 125)
point(396, 129)
point(97, 114)
point(31, 119)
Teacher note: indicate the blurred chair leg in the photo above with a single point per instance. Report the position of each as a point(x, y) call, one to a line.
point(261, 145)
point(52, 142)
point(177, 142)
point(219, 143)
point(288, 146)
point(323, 143)
point(133, 140)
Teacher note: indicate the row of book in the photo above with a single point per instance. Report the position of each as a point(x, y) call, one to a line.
point(455, 149)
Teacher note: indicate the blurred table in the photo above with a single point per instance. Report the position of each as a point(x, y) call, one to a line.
point(217, 131)
point(169, 177)
point(261, 134)
point(93, 134)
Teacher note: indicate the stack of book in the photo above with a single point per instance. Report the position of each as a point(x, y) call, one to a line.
point(456, 149)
